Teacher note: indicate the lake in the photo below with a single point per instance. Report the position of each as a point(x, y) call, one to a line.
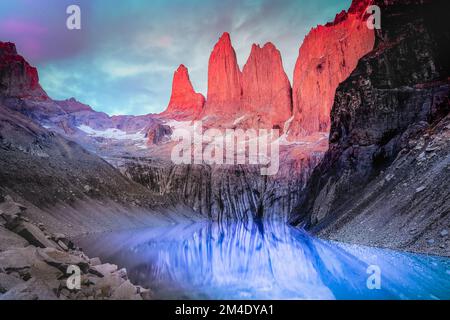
point(265, 261)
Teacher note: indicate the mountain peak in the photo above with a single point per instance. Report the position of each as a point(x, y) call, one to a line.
point(266, 89)
point(224, 78)
point(7, 48)
point(18, 78)
point(184, 101)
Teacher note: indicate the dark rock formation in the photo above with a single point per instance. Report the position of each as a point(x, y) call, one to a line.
point(384, 180)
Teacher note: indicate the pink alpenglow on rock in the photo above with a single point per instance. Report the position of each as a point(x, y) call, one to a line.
point(184, 103)
point(327, 57)
point(17, 78)
point(266, 90)
point(224, 80)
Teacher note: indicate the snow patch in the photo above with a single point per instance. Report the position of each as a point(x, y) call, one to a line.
point(112, 133)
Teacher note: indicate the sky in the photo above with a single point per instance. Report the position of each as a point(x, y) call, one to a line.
point(123, 58)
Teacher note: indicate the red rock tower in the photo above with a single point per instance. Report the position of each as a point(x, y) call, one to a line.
point(184, 103)
point(266, 90)
point(224, 79)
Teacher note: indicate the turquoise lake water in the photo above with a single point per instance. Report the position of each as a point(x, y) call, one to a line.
point(265, 261)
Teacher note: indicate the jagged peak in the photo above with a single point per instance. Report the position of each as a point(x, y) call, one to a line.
point(182, 68)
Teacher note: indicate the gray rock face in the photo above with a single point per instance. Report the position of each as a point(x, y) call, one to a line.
point(7, 282)
point(227, 192)
point(388, 118)
point(10, 240)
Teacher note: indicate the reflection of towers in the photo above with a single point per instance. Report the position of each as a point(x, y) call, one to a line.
point(254, 258)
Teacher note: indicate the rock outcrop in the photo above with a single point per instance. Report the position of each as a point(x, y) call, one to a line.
point(224, 80)
point(185, 103)
point(72, 106)
point(266, 90)
point(384, 180)
point(17, 77)
point(327, 56)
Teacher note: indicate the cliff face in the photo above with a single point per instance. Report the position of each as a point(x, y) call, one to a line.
point(384, 180)
point(224, 79)
point(184, 103)
point(17, 77)
point(326, 58)
point(266, 90)
point(228, 193)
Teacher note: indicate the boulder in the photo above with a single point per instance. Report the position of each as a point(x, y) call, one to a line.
point(33, 289)
point(7, 282)
point(10, 240)
point(104, 287)
point(126, 291)
point(105, 269)
point(95, 261)
point(10, 212)
point(34, 235)
point(17, 259)
point(62, 260)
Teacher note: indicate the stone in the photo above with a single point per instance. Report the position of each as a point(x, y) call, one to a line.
point(106, 285)
point(63, 245)
point(17, 259)
point(420, 189)
point(122, 273)
point(146, 294)
point(7, 282)
point(10, 212)
point(126, 291)
point(62, 260)
point(105, 269)
point(34, 235)
point(444, 233)
point(95, 261)
point(10, 240)
point(33, 289)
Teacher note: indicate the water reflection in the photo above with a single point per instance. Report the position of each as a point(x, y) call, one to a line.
point(264, 261)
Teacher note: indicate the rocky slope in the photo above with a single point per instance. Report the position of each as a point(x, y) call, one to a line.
point(327, 56)
point(184, 103)
point(384, 180)
point(34, 264)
